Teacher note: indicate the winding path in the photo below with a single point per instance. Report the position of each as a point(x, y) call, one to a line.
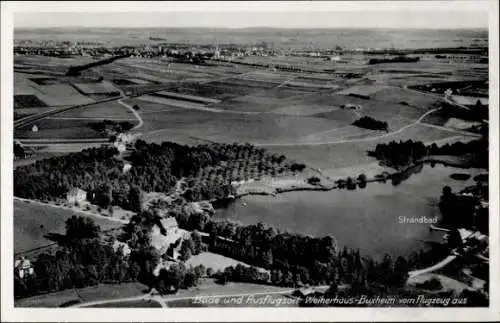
point(351, 140)
point(435, 267)
point(141, 122)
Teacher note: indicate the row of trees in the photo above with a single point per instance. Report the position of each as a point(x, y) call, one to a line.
point(244, 274)
point(404, 153)
point(397, 59)
point(351, 183)
point(110, 126)
point(399, 154)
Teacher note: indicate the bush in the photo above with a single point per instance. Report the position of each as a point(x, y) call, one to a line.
point(297, 167)
point(431, 284)
point(313, 180)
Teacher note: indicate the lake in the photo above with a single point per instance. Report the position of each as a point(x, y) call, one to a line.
point(367, 218)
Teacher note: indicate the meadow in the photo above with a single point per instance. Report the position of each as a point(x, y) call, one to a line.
point(33, 221)
point(59, 129)
point(82, 295)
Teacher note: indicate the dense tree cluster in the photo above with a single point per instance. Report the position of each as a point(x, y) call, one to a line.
point(400, 154)
point(92, 169)
point(109, 126)
point(371, 123)
point(351, 183)
point(404, 153)
point(209, 171)
point(476, 150)
point(464, 211)
point(177, 276)
point(397, 59)
point(243, 274)
point(18, 150)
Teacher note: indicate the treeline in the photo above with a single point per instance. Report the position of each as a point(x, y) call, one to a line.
point(404, 153)
point(75, 70)
point(242, 274)
point(351, 183)
point(293, 259)
point(111, 126)
point(399, 154)
point(370, 123)
point(208, 169)
point(398, 59)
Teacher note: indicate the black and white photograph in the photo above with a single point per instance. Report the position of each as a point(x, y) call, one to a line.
point(250, 155)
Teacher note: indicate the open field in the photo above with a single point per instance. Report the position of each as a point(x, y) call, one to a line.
point(28, 101)
point(230, 127)
point(61, 94)
point(58, 94)
point(33, 221)
point(212, 260)
point(97, 88)
point(59, 129)
point(332, 156)
point(192, 98)
point(82, 295)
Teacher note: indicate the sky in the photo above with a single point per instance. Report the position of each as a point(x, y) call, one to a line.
point(401, 16)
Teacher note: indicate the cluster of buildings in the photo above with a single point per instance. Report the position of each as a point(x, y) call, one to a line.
point(164, 50)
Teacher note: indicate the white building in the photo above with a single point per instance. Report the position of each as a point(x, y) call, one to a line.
point(76, 195)
point(126, 167)
point(23, 268)
point(126, 249)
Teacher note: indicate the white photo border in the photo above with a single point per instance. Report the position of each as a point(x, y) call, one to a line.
point(9, 313)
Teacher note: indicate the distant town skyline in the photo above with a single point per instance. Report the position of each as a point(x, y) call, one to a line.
point(403, 19)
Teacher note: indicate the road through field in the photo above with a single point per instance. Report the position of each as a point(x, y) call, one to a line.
point(34, 117)
point(133, 111)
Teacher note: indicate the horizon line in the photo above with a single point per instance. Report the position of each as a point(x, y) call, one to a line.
point(249, 27)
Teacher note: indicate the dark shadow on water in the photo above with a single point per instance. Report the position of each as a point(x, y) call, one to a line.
point(397, 179)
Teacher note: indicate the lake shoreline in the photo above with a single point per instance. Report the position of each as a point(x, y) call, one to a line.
point(262, 188)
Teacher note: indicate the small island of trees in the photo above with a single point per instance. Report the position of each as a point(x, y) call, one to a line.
point(370, 123)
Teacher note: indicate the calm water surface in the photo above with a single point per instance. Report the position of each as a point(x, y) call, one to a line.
point(365, 218)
